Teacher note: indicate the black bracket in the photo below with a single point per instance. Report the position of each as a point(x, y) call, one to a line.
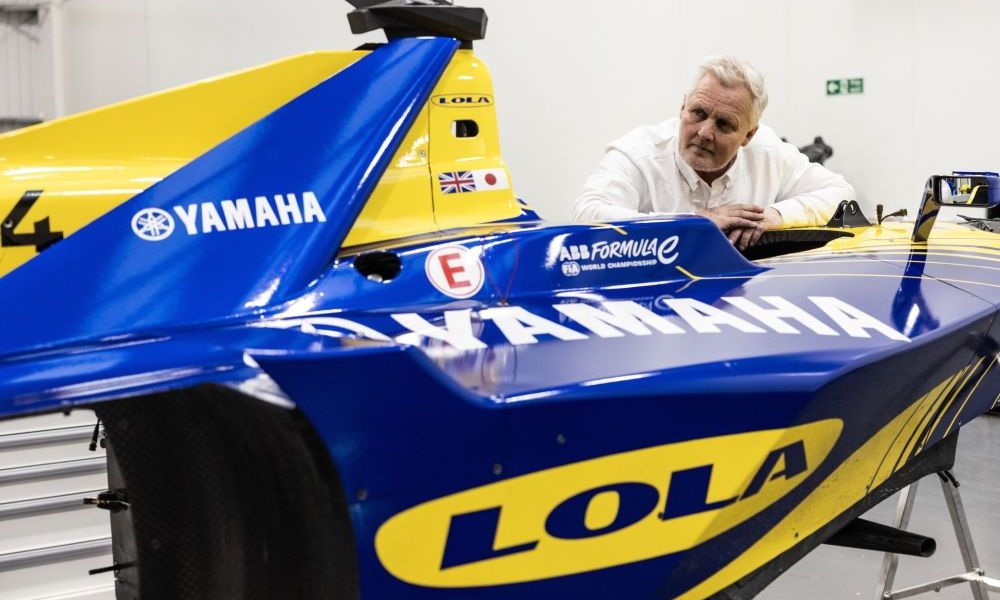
point(412, 18)
point(866, 535)
point(111, 500)
point(849, 215)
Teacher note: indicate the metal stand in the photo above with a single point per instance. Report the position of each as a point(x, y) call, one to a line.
point(974, 575)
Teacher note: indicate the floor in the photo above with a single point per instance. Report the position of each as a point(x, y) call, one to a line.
point(831, 573)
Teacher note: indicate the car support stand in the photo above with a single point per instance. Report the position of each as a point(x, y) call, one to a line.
point(975, 577)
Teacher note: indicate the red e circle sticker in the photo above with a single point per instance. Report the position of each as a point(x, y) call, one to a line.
point(455, 271)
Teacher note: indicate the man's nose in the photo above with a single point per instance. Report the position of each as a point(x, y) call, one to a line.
point(706, 131)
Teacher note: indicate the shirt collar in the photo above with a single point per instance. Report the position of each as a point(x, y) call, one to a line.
point(735, 170)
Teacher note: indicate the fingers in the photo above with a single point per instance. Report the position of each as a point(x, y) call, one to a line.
point(749, 212)
point(749, 215)
point(744, 239)
point(745, 212)
point(729, 223)
point(735, 220)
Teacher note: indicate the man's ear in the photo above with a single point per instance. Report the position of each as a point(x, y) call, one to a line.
point(684, 100)
point(750, 135)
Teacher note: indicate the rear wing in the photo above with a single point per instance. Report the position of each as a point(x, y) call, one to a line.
point(244, 227)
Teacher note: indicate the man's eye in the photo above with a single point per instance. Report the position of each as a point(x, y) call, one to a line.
point(725, 126)
point(699, 114)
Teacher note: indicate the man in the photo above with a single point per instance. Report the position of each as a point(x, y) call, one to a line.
point(716, 160)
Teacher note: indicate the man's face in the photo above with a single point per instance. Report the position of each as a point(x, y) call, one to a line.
point(715, 122)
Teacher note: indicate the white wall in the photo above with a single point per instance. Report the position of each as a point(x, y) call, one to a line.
point(573, 74)
point(26, 92)
point(117, 49)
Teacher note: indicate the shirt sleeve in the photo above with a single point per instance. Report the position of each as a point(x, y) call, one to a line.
point(809, 192)
point(613, 192)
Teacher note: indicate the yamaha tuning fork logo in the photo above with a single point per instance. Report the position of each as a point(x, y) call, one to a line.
point(153, 224)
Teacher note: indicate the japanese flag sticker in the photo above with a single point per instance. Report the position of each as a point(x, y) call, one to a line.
point(490, 179)
point(456, 271)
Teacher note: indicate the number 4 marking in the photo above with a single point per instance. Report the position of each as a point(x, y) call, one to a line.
point(41, 238)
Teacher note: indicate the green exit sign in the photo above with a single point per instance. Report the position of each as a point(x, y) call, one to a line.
point(837, 87)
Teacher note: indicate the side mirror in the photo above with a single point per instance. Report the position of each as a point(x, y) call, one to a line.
point(953, 190)
point(961, 188)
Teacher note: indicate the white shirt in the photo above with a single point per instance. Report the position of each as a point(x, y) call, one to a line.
point(644, 173)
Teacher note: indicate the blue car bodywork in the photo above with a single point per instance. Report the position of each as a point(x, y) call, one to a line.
point(631, 410)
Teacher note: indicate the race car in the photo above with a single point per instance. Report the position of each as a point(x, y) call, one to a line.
point(334, 356)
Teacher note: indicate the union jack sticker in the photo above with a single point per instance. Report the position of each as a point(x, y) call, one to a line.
point(459, 182)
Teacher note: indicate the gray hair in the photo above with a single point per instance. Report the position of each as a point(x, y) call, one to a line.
point(732, 72)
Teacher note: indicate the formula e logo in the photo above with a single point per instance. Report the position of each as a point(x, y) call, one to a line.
point(461, 100)
point(602, 512)
point(153, 224)
point(620, 254)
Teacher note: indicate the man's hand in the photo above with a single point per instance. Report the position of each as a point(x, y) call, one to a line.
point(744, 237)
point(734, 217)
